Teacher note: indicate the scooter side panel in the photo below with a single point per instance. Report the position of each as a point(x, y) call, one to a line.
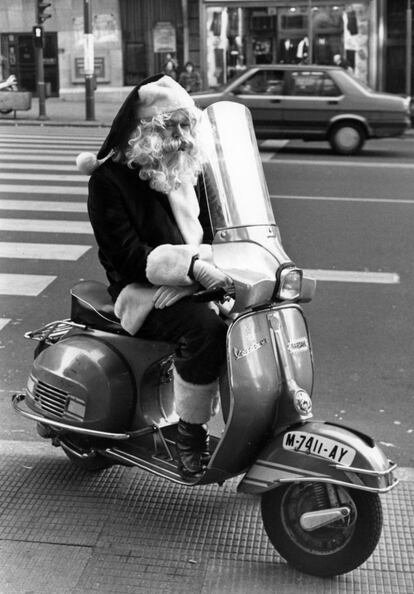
point(75, 380)
point(256, 383)
point(254, 386)
point(99, 374)
point(281, 461)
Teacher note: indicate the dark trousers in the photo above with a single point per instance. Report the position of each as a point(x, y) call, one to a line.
point(198, 332)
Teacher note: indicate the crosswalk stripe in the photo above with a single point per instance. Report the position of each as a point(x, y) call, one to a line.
point(42, 177)
point(27, 285)
point(43, 166)
point(41, 189)
point(354, 276)
point(30, 140)
point(42, 251)
point(4, 322)
point(42, 205)
point(46, 226)
point(46, 151)
point(50, 137)
point(69, 158)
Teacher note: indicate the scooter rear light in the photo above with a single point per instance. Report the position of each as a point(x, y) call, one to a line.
point(290, 284)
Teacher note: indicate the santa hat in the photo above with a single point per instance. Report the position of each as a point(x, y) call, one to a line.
point(155, 95)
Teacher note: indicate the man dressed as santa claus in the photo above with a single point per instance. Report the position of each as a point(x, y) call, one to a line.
point(152, 233)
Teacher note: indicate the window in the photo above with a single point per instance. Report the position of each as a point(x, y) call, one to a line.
point(264, 82)
point(311, 84)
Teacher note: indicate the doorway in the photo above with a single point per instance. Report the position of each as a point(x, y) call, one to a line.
point(18, 58)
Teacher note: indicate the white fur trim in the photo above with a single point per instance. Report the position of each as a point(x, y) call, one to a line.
point(195, 403)
point(205, 253)
point(134, 303)
point(162, 96)
point(168, 264)
point(186, 210)
point(87, 163)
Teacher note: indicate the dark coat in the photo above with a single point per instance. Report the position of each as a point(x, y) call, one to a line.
point(129, 219)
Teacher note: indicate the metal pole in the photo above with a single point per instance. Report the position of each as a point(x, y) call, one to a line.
point(310, 32)
point(89, 61)
point(186, 34)
point(409, 49)
point(41, 86)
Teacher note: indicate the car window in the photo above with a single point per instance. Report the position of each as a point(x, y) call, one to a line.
point(312, 84)
point(263, 82)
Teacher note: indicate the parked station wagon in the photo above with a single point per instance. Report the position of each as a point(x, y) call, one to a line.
point(313, 103)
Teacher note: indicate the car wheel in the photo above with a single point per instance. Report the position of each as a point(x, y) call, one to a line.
point(347, 138)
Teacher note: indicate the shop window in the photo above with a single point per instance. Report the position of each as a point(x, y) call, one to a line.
point(262, 22)
point(288, 22)
point(311, 84)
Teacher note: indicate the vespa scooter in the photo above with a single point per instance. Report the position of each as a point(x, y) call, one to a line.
point(106, 398)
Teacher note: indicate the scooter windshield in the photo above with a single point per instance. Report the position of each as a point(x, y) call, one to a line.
point(236, 189)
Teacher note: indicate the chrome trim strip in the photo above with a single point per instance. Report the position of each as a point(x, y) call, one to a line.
point(368, 472)
point(18, 398)
point(284, 467)
point(343, 484)
point(67, 448)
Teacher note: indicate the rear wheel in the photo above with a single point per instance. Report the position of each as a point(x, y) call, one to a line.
point(332, 549)
point(347, 138)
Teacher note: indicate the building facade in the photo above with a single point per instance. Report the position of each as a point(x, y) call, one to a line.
point(222, 37)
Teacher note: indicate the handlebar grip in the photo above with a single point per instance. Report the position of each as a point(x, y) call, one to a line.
point(209, 295)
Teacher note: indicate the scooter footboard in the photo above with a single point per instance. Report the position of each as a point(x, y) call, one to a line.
point(317, 451)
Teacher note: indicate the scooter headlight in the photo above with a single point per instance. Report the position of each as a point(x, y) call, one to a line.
point(290, 284)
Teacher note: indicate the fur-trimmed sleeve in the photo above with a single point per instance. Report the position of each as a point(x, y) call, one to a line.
point(169, 264)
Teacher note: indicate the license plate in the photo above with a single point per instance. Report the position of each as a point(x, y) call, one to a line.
point(319, 446)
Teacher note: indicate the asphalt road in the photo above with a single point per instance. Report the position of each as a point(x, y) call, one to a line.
point(350, 215)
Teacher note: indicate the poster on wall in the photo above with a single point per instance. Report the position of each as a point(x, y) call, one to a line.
point(164, 37)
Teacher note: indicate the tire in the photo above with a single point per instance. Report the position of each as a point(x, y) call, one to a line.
point(347, 138)
point(5, 111)
point(92, 463)
point(330, 550)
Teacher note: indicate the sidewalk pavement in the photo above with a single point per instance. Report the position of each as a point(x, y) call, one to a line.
point(61, 112)
point(126, 531)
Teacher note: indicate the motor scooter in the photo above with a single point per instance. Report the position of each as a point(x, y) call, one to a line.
point(106, 397)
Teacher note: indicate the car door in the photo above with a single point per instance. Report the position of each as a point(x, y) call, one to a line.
point(312, 99)
point(263, 93)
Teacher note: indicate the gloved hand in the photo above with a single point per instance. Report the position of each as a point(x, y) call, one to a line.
point(209, 276)
point(166, 295)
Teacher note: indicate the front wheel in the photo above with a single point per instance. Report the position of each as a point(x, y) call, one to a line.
point(347, 138)
point(331, 549)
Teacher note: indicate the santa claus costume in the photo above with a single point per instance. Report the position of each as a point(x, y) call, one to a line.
point(153, 239)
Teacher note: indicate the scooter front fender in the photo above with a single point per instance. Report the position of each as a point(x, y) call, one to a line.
point(317, 451)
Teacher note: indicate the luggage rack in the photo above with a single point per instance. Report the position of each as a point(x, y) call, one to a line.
point(53, 331)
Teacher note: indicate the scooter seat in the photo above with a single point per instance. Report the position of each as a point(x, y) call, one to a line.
point(92, 305)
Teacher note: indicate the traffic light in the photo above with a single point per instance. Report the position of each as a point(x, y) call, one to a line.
point(41, 14)
point(38, 36)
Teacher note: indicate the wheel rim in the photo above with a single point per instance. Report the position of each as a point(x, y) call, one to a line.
point(347, 138)
point(326, 540)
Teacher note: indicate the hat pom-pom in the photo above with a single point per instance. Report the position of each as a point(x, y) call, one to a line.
point(87, 163)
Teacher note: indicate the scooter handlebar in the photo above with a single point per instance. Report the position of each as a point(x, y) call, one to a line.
point(215, 294)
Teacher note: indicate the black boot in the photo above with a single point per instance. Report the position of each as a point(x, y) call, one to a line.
point(192, 448)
